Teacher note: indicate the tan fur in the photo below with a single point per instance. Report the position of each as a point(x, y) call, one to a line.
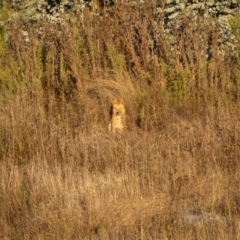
point(117, 122)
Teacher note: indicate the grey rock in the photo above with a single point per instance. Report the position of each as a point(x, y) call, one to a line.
point(210, 3)
point(182, 5)
point(174, 15)
point(25, 36)
point(170, 10)
point(197, 218)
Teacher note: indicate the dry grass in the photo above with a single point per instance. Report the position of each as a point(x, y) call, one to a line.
point(64, 177)
point(62, 181)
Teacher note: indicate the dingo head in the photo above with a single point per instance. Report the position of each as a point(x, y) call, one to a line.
point(118, 108)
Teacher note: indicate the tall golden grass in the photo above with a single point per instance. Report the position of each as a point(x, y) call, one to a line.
point(63, 176)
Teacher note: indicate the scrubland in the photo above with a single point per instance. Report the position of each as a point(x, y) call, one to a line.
point(64, 177)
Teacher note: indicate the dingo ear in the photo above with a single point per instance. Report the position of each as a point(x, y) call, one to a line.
point(115, 101)
point(121, 101)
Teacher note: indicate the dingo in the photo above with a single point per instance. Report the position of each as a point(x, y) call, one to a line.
point(117, 121)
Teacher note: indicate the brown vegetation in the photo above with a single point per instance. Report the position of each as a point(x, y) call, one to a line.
point(64, 177)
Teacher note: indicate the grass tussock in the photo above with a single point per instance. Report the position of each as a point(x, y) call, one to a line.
point(64, 177)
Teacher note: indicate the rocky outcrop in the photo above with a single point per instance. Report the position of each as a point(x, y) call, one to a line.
point(203, 13)
point(50, 10)
point(172, 15)
point(213, 8)
point(35, 9)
